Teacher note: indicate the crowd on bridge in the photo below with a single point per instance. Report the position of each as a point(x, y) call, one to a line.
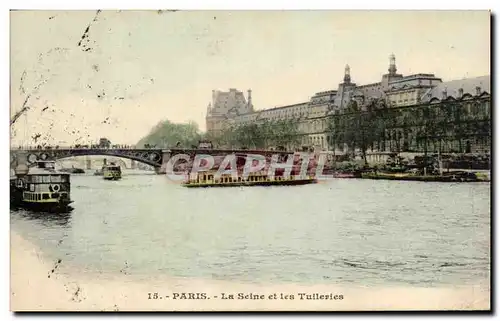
point(80, 146)
point(94, 146)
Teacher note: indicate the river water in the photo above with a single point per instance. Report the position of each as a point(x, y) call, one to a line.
point(342, 231)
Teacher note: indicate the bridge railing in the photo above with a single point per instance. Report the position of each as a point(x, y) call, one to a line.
point(56, 147)
point(128, 147)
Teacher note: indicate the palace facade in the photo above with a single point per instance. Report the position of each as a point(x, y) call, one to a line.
point(465, 103)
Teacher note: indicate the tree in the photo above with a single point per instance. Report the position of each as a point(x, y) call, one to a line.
point(283, 132)
point(375, 123)
point(262, 134)
point(459, 125)
point(361, 129)
point(166, 134)
point(351, 118)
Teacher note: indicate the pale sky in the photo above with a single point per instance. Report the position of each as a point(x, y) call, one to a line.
point(153, 66)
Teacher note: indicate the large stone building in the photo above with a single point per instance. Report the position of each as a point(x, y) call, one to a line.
point(226, 106)
point(314, 116)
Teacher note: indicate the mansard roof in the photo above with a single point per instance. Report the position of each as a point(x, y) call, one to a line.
point(451, 89)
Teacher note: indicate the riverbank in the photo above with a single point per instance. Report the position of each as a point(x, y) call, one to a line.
point(36, 285)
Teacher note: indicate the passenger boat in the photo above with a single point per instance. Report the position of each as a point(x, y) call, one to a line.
point(483, 176)
point(73, 170)
point(42, 189)
point(207, 179)
point(112, 172)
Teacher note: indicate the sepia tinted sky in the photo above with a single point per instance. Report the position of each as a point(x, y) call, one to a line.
point(143, 66)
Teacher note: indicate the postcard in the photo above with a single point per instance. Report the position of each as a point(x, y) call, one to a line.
point(183, 160)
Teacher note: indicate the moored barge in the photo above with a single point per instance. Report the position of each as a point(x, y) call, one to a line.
point(209, 179)
point(445, 177)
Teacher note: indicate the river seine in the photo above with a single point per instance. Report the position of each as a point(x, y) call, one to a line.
point(342, 231)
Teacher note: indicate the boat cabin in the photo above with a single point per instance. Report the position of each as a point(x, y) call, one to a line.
point(112, 171)
point(44, 184)
point(254, 177)
point(46, 165)
point(113, 168)
point(205, 144)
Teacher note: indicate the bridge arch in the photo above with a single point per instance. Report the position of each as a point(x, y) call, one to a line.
point(152, 157)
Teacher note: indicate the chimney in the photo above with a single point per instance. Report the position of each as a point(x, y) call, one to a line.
point(249, 97)
point(213, 97)
point(478, 90)
point(445, 93)
point(460, 92)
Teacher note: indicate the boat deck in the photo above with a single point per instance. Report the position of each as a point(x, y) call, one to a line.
point(289, 182)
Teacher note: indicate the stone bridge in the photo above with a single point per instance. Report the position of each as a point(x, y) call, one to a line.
point(153, 157)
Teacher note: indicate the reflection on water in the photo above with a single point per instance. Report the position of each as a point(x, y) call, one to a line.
point(44, 218)
point(339, 231)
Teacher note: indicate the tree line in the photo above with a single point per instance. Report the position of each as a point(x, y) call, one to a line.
point(254, 135)
point(263, 134)
point(450, 126)
point(167, 134)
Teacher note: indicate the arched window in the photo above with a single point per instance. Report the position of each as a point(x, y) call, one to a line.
point(475, 108)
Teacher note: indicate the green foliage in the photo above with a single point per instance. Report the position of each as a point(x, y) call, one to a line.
point(446, 126)
point(259, 135)
point(360, 129)
point(168, 134)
